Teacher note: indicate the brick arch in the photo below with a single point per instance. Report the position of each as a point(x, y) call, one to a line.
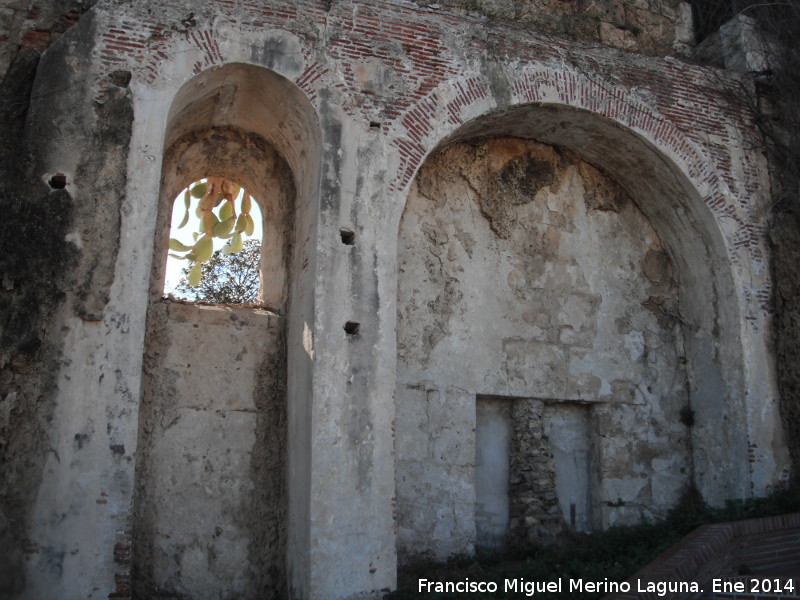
point(628, 110)
point(151, 49)
point(458, 102)
point(679, 186)
point(452, 107)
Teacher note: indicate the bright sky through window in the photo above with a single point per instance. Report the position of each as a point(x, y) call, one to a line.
point(184, 235)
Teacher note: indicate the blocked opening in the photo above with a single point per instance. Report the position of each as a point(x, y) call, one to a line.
point(211, 501)
point(531, 275)
point(707, 298)
point(532, 470)
point(211, 510)
point(571, 445)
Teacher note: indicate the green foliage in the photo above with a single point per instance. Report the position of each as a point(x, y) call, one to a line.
point(225, 278)
point(614, 554)
point(220, 195)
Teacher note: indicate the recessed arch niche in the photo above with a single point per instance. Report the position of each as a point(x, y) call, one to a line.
point(517, 233)
point(211, 514)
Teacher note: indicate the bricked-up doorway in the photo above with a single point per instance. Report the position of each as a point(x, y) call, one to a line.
point(211, 501)
point(533, 470)
point(553, 469)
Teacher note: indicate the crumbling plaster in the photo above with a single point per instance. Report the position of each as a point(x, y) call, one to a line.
point(526, 273)
point(647, 26)
point(370, 91)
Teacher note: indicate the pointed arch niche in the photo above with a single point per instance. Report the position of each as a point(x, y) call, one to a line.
point(211, 507)
point(561, 275)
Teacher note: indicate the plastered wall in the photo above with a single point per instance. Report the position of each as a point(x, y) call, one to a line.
point(210, 514)
point(525, 272)
point(646, 190)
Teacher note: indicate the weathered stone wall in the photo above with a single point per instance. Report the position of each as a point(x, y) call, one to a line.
point(60, 283)
point(354, 97)
point(33, 292)
point(525, 272)
point(210, 509)
point(32, 24)
point(661, 27)
point(210, 512)
point(785, 238)
point(30, 295)
point(657, 27)
point(533, 499)
point(435, 472)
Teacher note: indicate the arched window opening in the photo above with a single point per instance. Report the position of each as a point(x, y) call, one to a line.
point(212, 514)
point(245, 161)
point(215, 244)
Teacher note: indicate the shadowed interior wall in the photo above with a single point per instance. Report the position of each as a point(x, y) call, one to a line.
point(526, 272)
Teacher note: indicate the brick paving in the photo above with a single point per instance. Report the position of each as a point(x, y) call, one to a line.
point(766, 549)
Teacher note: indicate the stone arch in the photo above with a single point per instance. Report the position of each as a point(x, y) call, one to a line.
point(231, 121)
point(677, 188)
point(211, 502)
